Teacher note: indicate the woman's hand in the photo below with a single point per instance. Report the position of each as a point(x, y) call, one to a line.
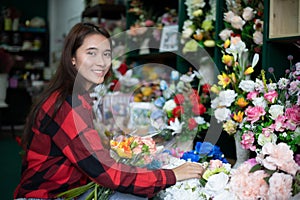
point(188, 170)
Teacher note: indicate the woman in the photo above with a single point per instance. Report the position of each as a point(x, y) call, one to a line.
point(63, 150)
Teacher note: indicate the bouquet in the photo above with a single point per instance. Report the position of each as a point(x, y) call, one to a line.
point(199, 25)
point(272, 175)
point(245, 20)
point(273, 111)
point(230, 101)
point(130, 150)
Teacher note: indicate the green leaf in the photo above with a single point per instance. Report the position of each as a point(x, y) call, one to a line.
point(255, 168)
point(68, 195)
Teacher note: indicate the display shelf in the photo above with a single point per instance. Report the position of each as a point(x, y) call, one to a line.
point(284, 18)
point(104, 11)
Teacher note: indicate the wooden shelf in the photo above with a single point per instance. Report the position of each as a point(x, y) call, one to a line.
point(284, 18)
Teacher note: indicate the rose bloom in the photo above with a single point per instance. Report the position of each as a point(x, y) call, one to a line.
point(275, 111)
point(248, 140)
point(192, 123)
point(247, 85)
point(228, 16)
point(237, 22)
point(198, 109)
point(252, 95)
point(271, 96)
point(293, 114)
point(230, 127)
point(222, 114)
point(179, 99)
point(254, 113)
point(248, 14)
point(178, 110)
point(258, 37)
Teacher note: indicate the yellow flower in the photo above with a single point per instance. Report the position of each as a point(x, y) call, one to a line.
point(233, 77)
point(241, 102)
point(226, 43)
point(227, 60)
point(249, 70)
point(198, 13)
point(209, 43)
point(230, 127)
point(146, 91)
point(238, 117)
point(207, 25)
point(224, 79)
point(215, 89)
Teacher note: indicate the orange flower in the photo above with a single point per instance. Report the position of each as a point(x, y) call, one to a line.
point(226, 43)
point(241, 102)
point(238, 117)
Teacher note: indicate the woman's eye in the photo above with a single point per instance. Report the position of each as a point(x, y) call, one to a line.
point(91, 53)
point(107, 53)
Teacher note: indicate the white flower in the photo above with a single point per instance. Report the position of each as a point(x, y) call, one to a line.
point(259, 85)
point(227, 97)
point(272, 86)
point(222, 114)
point(283, 83)
point(225, 34)
point(169, 105)
point(262, 139)
point(215, 103)
point(248, 13)
point(216, 183)
point(236, 49)
point(200, 120)
point(247, 85)
point(255, 60)
point(176, 126)
point(187, 78)
point(275, 111)
point(260, 101)
point(127, 79)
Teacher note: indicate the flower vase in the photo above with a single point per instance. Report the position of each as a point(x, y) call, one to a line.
point(242, 154)
point(183, 144)
point(3, 88)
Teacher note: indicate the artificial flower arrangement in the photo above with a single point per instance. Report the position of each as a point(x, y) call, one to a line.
point(130, 150)
point(212, 159)
point(183, 106)
point(230, 101)
point(272, 114)
point(199, 25)
point(245, 20)
point(273, 174)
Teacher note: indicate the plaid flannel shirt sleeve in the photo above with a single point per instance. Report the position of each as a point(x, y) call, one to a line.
point(81, 143)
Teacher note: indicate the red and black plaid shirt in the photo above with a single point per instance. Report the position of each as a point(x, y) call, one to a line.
point(68, 153)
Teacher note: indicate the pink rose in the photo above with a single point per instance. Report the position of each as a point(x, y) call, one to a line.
point(271, 96)
point(252, 95)
point(293, 115)
point(248, 140)
point(254, 113)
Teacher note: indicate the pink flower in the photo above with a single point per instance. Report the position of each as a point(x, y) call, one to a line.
point(279, 156)
point(280, 186)
point(293, 114)
point(271, 96)
point(248, 140)
point(254, 113)
point(252, 95)
point(214, 164)
point(248, 186)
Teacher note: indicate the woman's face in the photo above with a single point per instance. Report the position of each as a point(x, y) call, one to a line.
point(93, 59)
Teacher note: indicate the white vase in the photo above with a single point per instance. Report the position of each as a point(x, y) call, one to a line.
point(242, 154)
point(3, 88)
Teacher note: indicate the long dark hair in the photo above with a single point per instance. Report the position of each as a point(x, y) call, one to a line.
point(64, 78)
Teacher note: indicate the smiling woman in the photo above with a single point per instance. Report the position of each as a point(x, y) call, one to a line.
point(63, 148)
